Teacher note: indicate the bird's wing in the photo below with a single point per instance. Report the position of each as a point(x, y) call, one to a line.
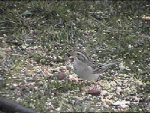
point(104, 67)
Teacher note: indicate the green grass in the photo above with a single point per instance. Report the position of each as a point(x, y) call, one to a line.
point(107, 30)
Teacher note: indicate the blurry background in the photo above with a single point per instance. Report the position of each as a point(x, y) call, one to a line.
point(37, 35)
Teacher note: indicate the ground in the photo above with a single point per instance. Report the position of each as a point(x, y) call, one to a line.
point(36, 38)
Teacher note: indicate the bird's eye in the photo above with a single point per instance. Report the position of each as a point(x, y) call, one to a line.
point(71, 59)
point(81, 57)
point(78, 54)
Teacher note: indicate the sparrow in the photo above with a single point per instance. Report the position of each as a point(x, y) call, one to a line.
point(86, 69)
